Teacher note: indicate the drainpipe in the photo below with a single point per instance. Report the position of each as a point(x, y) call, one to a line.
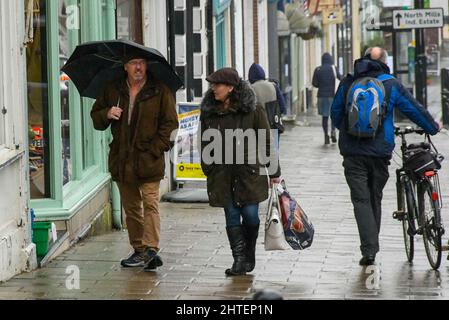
point(256, 30)
point(116, 207)
point(273, 41)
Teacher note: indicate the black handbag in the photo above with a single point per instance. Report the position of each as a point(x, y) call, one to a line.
point(274, 115)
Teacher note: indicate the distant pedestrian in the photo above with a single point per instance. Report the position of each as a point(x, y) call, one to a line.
point(230, 105)
point(269, 96)
point(324, 78)
point(367, 143)
point(142, 116)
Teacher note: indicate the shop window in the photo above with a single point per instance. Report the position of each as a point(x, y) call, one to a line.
point(129, 20)
point(38, 115)
point(88, 137)
point(221, 43)
point(66, 29)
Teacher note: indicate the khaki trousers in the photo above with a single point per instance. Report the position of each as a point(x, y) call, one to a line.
point(141, 204)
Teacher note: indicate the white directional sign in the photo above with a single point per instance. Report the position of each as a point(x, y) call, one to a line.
point(418, 19)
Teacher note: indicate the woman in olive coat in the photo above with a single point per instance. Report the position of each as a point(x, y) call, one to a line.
point(237, 186)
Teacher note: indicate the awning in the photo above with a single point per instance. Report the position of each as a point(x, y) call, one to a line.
point(307, 27)
point(283, 24)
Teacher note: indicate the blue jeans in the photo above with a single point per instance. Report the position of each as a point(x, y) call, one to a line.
point(249, 213)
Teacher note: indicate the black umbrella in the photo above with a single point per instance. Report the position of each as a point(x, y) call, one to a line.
point(95, 64)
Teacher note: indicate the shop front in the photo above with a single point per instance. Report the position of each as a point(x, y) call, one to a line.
point(68, 176)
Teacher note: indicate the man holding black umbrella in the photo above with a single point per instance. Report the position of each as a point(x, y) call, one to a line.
point(141, 113)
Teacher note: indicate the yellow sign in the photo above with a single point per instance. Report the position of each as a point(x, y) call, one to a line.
point(187, 163)
point(189, 171)
point(332, 16)
point(188, 115)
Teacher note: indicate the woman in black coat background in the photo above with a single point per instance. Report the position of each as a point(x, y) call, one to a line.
point(324, 78)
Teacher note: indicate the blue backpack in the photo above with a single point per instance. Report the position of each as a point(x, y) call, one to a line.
point(366, 106)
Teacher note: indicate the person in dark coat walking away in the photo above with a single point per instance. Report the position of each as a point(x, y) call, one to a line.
point(324, 78)
point(257, 78)
point(366, 159)
point(142, 116)
point(267, 92)
point(236, 185)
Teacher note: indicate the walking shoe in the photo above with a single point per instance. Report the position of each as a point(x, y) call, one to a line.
point(367, 260)
point(153, 264)
point(151, 254)
point(326, 139)
point(334, 138)
point(137, 259)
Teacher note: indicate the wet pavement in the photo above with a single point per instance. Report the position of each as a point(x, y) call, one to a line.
point(195, 249)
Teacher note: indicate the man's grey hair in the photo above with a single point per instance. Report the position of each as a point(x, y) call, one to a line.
point(383, 57)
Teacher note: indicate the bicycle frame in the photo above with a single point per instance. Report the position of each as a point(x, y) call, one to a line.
point(415, 183)
point(414, 190)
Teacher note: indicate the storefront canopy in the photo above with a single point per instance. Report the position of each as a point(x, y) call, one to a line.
point(306, 27)
point(283, 24)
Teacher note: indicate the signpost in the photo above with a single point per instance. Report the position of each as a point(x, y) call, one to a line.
point(187, 159)
point(418, 19)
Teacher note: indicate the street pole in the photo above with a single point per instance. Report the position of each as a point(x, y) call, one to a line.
point(273, 41)
point(189, 50)
point(421, 62)
point(356, 32)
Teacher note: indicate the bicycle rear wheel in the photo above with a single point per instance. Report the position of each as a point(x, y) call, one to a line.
point(429, 211)
point(408, 222)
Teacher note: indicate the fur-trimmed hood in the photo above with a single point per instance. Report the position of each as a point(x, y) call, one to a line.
point(246, 101)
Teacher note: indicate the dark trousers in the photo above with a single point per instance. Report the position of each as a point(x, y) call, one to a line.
point(366, 178)
point(326, 126)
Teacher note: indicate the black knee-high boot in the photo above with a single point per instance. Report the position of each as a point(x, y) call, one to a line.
point(236, 236)
point(251, 234)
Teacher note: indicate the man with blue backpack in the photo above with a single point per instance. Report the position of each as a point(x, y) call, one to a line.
point(363, 112)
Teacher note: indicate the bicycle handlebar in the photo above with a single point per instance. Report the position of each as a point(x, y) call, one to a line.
point(407, 130)
point(398, 131)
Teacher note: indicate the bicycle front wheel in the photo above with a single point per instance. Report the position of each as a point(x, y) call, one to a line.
point(429, 212)
point(408, 222)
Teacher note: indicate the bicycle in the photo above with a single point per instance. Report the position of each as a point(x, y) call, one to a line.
point(419, 196)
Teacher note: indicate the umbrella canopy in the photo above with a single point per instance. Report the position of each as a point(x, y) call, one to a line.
point(95, 64)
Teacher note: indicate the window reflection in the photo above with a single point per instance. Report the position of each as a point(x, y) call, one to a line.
point(64, 53)
point(129, 17)
point(37, 85)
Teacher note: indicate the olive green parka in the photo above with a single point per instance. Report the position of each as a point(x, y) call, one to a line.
point(240, 184)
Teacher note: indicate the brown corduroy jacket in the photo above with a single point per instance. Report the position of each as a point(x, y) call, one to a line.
point(137, 150)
